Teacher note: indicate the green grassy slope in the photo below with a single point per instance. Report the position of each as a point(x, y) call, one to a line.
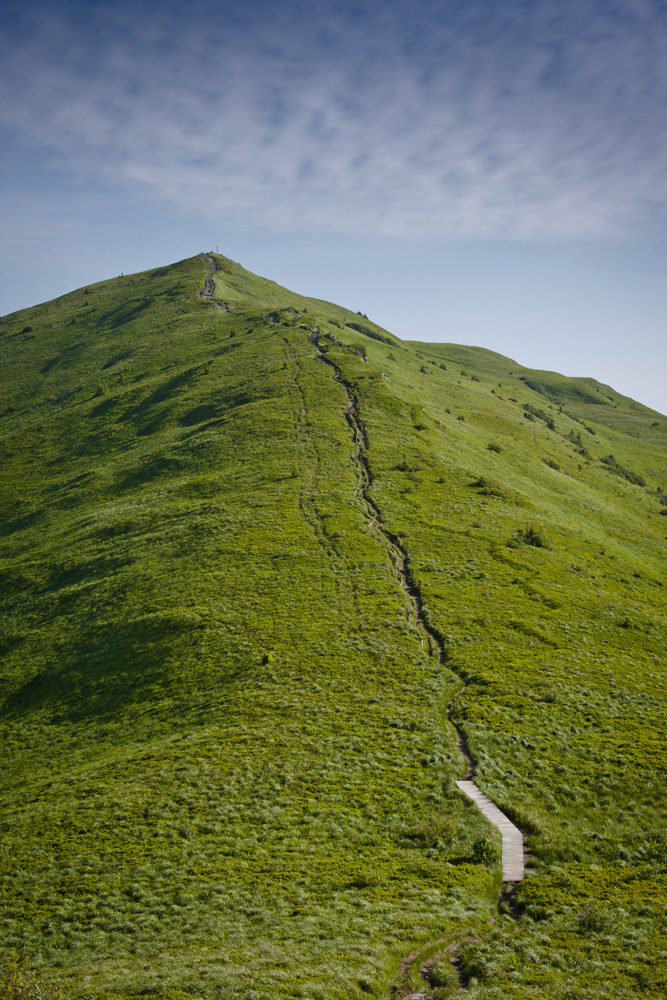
point(227, 767)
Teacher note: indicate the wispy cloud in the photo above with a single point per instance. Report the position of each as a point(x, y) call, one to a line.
point(423, 120)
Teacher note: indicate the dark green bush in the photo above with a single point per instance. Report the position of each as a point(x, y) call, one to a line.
point(366, 330)
point(530, 412)
point(619, 470)
point(530, 535)
point(492, 488)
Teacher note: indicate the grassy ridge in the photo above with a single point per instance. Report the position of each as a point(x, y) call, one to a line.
point(227, 767)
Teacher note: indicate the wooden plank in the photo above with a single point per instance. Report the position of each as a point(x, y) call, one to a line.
point(512, 856)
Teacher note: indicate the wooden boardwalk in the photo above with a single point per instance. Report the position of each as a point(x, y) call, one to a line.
point(512, 837)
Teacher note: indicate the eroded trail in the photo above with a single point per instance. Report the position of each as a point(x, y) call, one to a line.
point(208, 291)
point(399, 554)
point(512, 838)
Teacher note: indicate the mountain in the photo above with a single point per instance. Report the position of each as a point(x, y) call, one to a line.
point(253, 546)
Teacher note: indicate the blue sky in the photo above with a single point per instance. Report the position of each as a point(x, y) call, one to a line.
point(483, 173)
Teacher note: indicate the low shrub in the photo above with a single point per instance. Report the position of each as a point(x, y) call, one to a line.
point(494, 446)
point(530, 412)
point(16, 983)
point(530, 535)
point(443, 976)
point(492, 488)
point(488, 485)
point(485, 852)
point(619, 470)
point(592, 919)
point(368, 332)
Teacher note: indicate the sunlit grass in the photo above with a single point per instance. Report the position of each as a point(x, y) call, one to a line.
point(227, 766)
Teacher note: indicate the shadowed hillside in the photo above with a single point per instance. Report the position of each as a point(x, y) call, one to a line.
point(231, 536)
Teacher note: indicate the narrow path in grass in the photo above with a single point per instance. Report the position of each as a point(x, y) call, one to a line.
point(513, 869)
point(208, 291)
point(423, 962)
point(512, 838)
point(399, 554)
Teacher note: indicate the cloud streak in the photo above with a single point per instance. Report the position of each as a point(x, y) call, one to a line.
point(441, 120)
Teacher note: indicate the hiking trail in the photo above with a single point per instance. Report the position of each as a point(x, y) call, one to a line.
point(512, 838)
point(208, 291)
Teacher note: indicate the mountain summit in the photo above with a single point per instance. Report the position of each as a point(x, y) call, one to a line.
point(273, 581)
